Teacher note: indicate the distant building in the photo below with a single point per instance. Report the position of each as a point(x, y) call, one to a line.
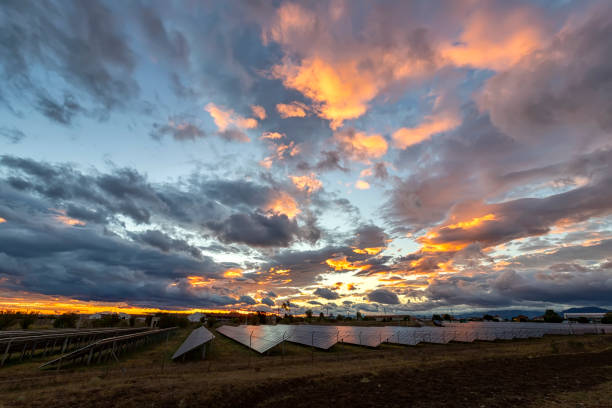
point(95, 316)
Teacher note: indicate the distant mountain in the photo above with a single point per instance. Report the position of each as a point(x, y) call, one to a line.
point(510, 313)
point(505, 314)
point(590, 309)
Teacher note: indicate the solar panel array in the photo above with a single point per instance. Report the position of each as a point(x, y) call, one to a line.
point(26, 343)
point(263, 338)
point(104, 349)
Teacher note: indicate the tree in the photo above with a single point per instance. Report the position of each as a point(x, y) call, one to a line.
point(447, 317)
point(436, 317)
point(359, 316)
point(321, 316)
point(550, 316)
point(607, 319)
point(65, 321)
point(27, 320)
point(308, 314)
point(487, 317)
point(7, 318)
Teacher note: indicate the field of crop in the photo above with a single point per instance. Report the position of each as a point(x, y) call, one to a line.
point(553, 371)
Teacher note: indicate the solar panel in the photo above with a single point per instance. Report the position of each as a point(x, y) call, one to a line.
point(403, 335)
point(322, 337)
point(363, 336)
point(195, 339)
point(258, 338)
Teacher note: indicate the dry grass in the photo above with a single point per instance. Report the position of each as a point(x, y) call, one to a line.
point(148, 377)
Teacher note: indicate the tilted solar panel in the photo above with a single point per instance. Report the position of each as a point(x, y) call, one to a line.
point(195, 339)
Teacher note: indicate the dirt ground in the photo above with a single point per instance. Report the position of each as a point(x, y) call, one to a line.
point(554, 371)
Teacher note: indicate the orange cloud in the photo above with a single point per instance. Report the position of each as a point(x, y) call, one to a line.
point(405, 137)
point(291, 149)
point(338, 91)
point(360, 146)
point(233, 273)
point(224, 119)
point(198, 281)
point(45, 304)
point(433, 243)
point(292, 110)
point(340, 75)
point(272, 135)
point(307, 183)
point(283, 203)
point(258, 111)
point(474, 222)
point(281, 153)
point(342, 264)
point(64, 219)
point(2, 220)
point(495, 42)
point(369, 251)
point(362, 185)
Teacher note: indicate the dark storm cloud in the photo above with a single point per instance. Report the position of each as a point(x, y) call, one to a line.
point(267, 301)
point(247, 300)
point(231, 210)
point(41, 256)
point(383, 296)
point(370, 236)
point(59, 111)
point(559, 94)
point(178, 129)
point(326, 293)
point(256, 229)
point(170, 43)
point(533, 216)
point(163, 242)
point(81, 42)
point(12, 135)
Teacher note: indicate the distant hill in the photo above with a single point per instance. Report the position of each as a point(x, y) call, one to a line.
point(505, 314)
point(590, 309)
point(510, 313)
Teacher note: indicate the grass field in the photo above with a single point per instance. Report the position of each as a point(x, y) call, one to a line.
point(552, 371)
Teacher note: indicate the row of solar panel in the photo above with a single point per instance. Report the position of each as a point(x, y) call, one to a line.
point(263, 338)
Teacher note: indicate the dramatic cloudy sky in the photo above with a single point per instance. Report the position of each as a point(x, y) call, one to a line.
point(398, 156)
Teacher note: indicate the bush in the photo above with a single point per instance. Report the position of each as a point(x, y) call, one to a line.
point(552, 317)
point(7, 318)
point(27, 320)
point(169, 320)
point(66, 321)
point(607, 319)
point(107, 320)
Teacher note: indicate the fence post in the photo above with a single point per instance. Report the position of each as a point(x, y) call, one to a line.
point(6, 352)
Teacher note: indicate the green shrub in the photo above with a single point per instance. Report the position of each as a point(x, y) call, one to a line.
point(171, 320)
point(7, 318)
point(66, 321)
point(27, 320)
point(550, 316)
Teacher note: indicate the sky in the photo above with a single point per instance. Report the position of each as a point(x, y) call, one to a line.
point(384, 157)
